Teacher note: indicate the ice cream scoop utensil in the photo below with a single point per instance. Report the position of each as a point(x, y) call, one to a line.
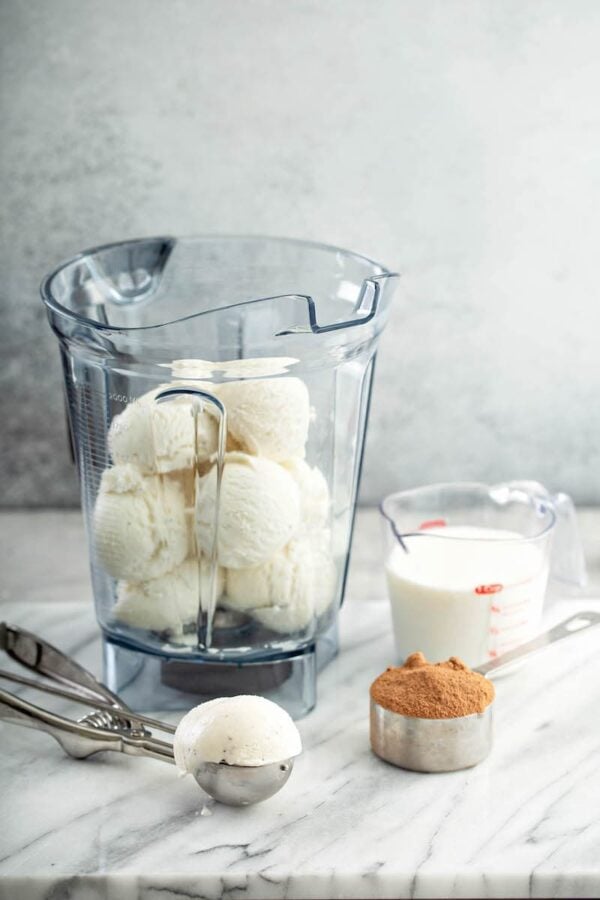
point(446, 745)
point(233, 785)
point(111, 725)
point(123, 715)
point(82, 739)
point(38, 655)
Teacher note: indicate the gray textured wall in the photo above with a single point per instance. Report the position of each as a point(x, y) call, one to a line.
point(456, 140)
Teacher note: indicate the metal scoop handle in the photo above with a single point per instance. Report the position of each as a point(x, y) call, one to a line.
point(116, 726)
point(78, 739)
point(124, 714)
point(573, 625)
point(41, 657)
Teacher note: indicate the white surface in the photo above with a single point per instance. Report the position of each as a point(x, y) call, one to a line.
point(454, 139)
point(524, 823)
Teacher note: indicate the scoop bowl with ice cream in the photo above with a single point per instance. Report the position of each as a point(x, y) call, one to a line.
point(240, 750)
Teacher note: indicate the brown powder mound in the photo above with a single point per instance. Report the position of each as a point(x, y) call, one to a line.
point(425, 690)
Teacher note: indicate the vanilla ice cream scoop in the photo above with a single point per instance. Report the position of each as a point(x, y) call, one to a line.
point(140, 528)
point(159, 436)
point(268, 416)
point(258, 513)
point(168, 603)
point(290, 590)
point(237, 731)
point(314, 494)
point(232, 368)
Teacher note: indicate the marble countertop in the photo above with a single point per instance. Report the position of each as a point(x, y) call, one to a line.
point(522, 824)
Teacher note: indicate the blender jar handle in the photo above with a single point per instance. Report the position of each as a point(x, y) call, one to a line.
point(206, 605)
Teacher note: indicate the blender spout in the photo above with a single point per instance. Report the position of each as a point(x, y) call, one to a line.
point(364, 310)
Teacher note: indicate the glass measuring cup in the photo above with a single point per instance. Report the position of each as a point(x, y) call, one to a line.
point(467, 565)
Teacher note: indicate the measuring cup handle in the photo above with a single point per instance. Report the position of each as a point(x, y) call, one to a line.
point(567, 560)
point(571, 626)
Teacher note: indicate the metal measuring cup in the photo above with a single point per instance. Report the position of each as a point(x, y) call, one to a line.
point(446, 745)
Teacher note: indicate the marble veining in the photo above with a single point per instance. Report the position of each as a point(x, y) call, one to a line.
point(522, 824)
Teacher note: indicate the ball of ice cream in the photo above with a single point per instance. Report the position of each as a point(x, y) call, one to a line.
point(140, 528)
point(314, 494)
point(268, 417)
point(159, 436)
point(168, 603)
point(239, 731)
point(232, 368)
point(285, 579)
point(288, 591)
point(325, 571)
point(259, 510)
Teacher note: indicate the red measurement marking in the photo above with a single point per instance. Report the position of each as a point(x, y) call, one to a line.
point(432, 523)
point(510, 607)
point(496, 609)
point(493, 654)
point(488, 588)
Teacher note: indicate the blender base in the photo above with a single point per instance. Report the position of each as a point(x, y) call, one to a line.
point(152, 682)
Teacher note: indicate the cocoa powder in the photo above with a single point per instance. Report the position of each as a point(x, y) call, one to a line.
point(426, 690)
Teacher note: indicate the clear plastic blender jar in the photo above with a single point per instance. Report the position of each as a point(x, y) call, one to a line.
point(467, 565)
point(218, 391)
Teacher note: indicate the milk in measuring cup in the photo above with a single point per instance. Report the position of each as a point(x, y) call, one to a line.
point(465, 591)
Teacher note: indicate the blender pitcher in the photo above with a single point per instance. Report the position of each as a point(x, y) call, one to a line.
point(218, 392)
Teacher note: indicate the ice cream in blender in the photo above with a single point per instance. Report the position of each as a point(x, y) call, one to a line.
point(288, 591)
point(159, 436)
point(268, 417)
point(238, 731)
point(273, 544)
point(140, 525)
point(314, 494)
point(259, 510)
point(168, 603)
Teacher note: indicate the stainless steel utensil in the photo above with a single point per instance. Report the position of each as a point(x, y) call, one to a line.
point(111, 725)
point(446, 745)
